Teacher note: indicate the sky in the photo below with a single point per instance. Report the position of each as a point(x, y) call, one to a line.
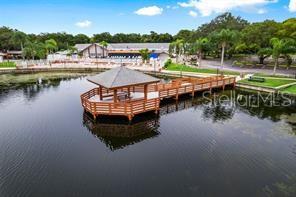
point(132, 16)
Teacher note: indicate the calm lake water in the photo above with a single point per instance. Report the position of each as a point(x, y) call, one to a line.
point(50, 147)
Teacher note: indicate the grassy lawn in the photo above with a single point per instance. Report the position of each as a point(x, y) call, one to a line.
point(277, 76)
point(269, 82)
point(290, 90)
point(179, 67)
point(7, 65)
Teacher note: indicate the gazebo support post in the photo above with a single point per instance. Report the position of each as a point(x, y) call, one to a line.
point(145, 91)
point(129, 92)
point(115, 96)
point(101, 93)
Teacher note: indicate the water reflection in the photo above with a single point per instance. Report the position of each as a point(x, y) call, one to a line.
point(118, 133)
point(32, 85)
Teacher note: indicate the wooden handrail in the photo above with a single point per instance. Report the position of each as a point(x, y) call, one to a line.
point(135, 106)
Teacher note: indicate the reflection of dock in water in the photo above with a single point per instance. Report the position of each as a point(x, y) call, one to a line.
point(174, 106)
point(117, 135)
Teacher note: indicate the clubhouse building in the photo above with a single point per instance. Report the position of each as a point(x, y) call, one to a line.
point(123, 50)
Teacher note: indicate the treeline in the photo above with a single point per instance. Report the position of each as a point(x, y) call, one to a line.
point(226, 36)
point(10, 38)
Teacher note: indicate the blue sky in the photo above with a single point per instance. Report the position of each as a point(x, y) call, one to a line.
point(140, 16)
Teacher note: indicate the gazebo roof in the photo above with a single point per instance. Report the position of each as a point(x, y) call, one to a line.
point(121, 77)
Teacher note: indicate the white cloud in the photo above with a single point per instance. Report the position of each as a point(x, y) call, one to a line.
point(83, 24)
point(292, 6)
point(172, 7)
point(192, 13)
point(262, 11)
point(149, 11)
point(208, 7)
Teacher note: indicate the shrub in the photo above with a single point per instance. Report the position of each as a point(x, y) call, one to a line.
point(167, 63)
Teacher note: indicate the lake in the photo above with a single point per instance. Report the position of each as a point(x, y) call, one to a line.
point(202, 146)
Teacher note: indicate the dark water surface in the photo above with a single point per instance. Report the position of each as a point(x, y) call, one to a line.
point(50, 147)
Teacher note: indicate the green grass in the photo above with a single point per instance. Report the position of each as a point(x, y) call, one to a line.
point(179, 67)
point(269, 82)
point(290, 90)
point(277, 76)
point(7, 65)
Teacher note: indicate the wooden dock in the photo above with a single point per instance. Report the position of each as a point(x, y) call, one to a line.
point(153, 94)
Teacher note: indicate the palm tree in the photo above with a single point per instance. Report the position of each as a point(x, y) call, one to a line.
point(30, 50)
point(145, 55)
point(200, 46)
point(40, 50)
point(177, 48)
point(225, 36)
point(281, 47)
point(51, 46)
point(104, 44)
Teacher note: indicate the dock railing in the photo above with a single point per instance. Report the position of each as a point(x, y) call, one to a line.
point(131, 107)
point(127, 108)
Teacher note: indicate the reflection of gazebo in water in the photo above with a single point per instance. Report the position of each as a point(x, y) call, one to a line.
point(121, 134)
point(122, 92)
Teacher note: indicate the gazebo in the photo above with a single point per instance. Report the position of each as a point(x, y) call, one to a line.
point(121, 91)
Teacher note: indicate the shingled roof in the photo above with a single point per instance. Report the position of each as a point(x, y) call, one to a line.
point(121, 77)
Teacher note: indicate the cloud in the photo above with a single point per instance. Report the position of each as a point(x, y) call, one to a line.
point(193, 14)
point(149, 11)
point(261, 11)
point(208, 7)
point(292, 6)
point(172, 7)
point(83, 24)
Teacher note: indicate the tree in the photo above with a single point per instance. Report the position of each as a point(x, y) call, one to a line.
point(281, 47)
point(19, 38)
point(264, 53)
point(6, 35)
point(185, 35)
point(102, 36)
point(257, 37)
point(30, 50)
point(225, 36)
point(288, 29)
point(40, 50)
point(177, 48)
point(201, 46)
point(104, 44)
point(81, 39)
point(145, 54)
point(223, 21)
point(51, 46)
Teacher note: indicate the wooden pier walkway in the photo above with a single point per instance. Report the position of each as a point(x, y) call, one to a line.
point(152, 94)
